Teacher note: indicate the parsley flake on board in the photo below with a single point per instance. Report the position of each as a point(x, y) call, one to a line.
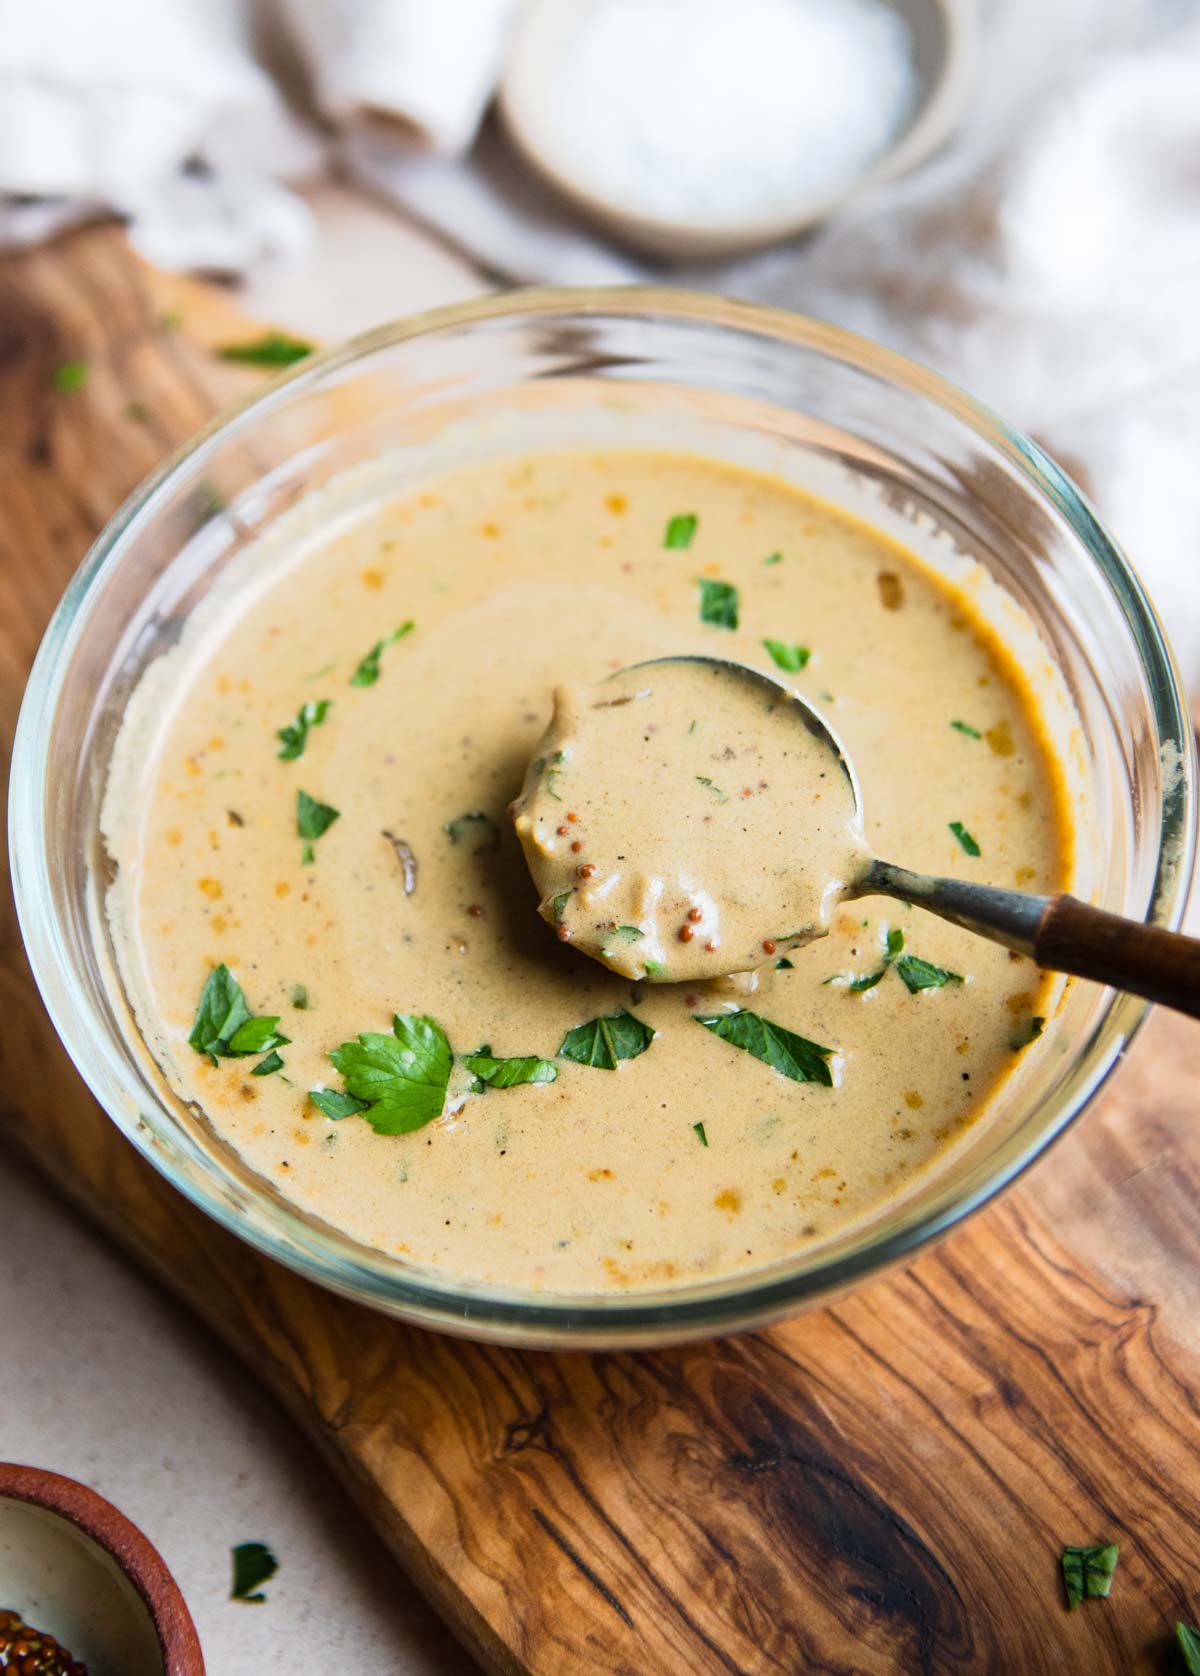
point(1088, 1572)
point(272, 349)
point(921, 974)
point(604, 1041)
point(680, 530)
point(773, 558)
point(224, 1026)
point(964, 727)
point(474, 828)
point(965, 839)
point(712, 786)
point(791, 1055)
point(1188, 1641)
point(294, 737)
point(787, 657)
point(70, 377)
point(368, 672)
point(699, 1131)
point(253, 1565)
point(718, 603)
point(399, 1081)
point(509, 1073)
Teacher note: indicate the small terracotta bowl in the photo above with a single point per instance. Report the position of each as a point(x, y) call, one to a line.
point(73, 1566)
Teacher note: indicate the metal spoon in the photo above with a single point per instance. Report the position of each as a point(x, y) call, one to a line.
point(1060, 933)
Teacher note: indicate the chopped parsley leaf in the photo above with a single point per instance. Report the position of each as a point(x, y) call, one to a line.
point(401, 1079)
point(224, 1026)
point(336, 1105)
point(1027, 1031)
point(299, 996)
point(699, 1132)
point(256, 1035)
point(367, 672)
point(893, 943)
point(266, 1066)
point(272, 349)
point(711, 785)
point(718, 603)
point(602, 1042)
point(791, 1055)
point(294, 737)
point(475, 828)
point(785, 965)
point(253, 1565)
point(312, 820)
point(560, 903)
point(965, 839)
point(1088, 1572)
point(788, 657)
point(654, 968)
point(773, 558)
point(680, 530)
point(920, 974)
point(510, 1073)
point(965, 727)
point(70, 377)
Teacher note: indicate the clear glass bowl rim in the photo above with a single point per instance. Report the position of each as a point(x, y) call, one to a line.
point(732, 1303)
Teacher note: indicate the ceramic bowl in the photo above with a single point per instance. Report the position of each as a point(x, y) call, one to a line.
point(943, 35)
point(75, 1567)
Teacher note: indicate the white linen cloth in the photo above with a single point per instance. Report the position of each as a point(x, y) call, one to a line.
point(1048, 260)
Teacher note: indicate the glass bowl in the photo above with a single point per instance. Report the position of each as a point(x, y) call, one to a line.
point(461, 382)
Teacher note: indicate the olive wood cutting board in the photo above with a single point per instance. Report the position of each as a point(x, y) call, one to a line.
point(881, 1486)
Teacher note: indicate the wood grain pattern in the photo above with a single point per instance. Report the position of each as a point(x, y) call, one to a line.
point(879, 1487)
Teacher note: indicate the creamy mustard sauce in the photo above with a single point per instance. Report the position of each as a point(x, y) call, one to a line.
point(693, 1157)
point(682, 821)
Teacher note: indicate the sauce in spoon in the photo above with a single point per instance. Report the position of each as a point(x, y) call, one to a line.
point(683, 821)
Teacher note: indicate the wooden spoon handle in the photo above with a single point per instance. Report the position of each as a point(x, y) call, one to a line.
point(1143, 959)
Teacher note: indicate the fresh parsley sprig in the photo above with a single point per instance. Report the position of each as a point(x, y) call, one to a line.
point(718, 603)
point(368, 671)
point(680, 530)
point(491, 1072)
point(313, 819)
point(790, 658)
point(294, 737)
point(603, 1042)
point(397, 1082)
point(225, 1028)
point(791, 1055)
